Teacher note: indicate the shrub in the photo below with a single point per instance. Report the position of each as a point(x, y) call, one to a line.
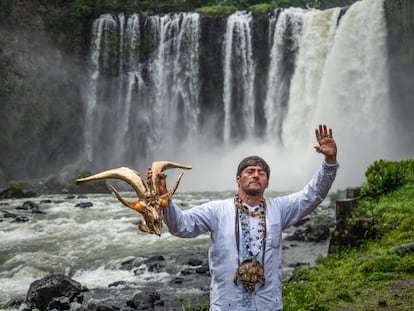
point(217, 10)
point(384, 177)
point(263, 8)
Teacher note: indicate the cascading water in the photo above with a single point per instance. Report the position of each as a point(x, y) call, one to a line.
point(238, 78)
point(174, 77)
point(289, 23)
point(136, 103)
point(354, 91)
point(323, 66)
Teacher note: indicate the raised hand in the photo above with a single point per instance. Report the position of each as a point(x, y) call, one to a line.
point(326, 142)
point(162, 180)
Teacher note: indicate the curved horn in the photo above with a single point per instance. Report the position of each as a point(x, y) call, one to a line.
point(170, 193)
point(132, 177)
point(129, 204)
point(160, 166)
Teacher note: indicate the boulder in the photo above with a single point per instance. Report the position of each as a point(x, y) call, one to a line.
point(55, 291)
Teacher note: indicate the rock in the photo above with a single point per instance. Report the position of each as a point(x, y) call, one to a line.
point(7, 214)
point(84, 204)
point(146, 301)
point(405, 249)
point(154, 264)
point(16, 192)
point(56, 291)
point(33, 207)
point(21, 219)
point(117, 283)
point(202, 269)
point(195, 262)
point(382, 303)
point(313, 231)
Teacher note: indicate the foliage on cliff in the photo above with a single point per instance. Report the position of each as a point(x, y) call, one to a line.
point(380, 273)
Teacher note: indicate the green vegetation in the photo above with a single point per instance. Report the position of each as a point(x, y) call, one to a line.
point(7, 7)
point(385, 176)
point(188, 307)
point(96, 186)
point(262, 8)
point(375, 275)
point(217, 10)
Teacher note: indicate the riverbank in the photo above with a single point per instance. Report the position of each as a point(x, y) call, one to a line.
point(378, 275)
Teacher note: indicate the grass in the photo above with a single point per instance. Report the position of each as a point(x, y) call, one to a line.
point(372, 277)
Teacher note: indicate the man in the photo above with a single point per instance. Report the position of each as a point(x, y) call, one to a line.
point(245, 255)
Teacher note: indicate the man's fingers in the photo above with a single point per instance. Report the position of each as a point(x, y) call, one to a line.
point(323, 132)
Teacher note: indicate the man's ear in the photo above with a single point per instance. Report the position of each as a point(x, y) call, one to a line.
point(238, 180)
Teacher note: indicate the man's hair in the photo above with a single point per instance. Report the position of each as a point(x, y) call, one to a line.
point(253, 161)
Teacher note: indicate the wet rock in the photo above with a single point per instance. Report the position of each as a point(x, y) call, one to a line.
point(21, 219)
point(33, 207)
point(55, 291)
point(84, 204)
point(313, 231)
point(195, 262)
point(117, 283)
point(146, 301)
point(7, 214)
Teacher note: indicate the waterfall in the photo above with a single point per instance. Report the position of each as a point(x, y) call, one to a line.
point(318, 27)
point(238, 77)
point(314, 66)
point(137, 107)
point(175, 81)
point(288, 24)
point(104, 23)
point(354, 92)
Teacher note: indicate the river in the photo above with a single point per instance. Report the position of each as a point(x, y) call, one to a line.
point(92, 245)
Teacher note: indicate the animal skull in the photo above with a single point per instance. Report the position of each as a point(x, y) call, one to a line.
point(150, 200)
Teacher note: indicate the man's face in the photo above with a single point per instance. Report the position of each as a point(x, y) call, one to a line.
point(253, 180)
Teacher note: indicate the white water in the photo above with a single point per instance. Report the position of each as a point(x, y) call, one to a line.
point(89, 245)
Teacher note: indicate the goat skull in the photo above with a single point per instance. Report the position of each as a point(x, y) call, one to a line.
point(150, 200)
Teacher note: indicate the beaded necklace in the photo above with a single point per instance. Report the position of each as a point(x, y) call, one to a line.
point(242, 218)
point(243, 213)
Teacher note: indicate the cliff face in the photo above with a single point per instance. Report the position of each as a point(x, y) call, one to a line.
point(400, 23)
point(41, 103)
point(42, 75)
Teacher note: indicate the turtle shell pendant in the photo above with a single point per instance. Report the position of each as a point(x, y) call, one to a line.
point(249, 273)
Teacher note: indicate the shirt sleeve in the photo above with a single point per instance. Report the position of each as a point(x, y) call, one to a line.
point(189, 223)
point(297, 205)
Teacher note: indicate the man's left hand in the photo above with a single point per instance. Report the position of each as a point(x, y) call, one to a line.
point(327, 144)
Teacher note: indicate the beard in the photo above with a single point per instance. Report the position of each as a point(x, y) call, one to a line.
point(253, 192)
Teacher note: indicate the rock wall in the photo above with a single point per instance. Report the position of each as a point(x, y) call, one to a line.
point(400, 23)
point(41, 105)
